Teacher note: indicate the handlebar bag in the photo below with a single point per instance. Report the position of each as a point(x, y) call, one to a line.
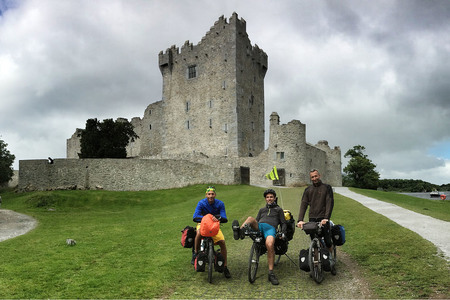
point(310, 227)
point(208, 227)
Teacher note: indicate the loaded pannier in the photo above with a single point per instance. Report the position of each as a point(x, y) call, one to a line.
point(303, 260)
point(200, 262)
point(188, 237)
point(338, 235)
point(218, 262)
point(325, 259)
point(281, 246)
point(290, 224)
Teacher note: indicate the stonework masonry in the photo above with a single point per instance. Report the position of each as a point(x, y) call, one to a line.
point(207, 128)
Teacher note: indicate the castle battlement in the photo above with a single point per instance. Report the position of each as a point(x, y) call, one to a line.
point(211, 113)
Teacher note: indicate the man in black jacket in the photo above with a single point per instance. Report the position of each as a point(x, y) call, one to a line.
point(267, 221)
point(319, 198)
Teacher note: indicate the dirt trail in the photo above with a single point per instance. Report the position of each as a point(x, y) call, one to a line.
point(13, 224)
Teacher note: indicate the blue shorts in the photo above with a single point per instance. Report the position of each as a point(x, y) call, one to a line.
point(267, 229)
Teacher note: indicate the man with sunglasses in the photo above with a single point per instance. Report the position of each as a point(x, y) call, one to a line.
point(215, 207)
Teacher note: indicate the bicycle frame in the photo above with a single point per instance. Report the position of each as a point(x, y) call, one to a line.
point(315, 258)
point(207, 246)
point(258, 249)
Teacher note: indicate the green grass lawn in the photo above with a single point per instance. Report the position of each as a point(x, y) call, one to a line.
point(128, 246)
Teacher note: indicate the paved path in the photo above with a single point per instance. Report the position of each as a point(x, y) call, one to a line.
point(431, 229)
point(13, 224)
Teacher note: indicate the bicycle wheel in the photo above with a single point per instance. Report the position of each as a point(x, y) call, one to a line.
point(210, 260)
point(315, 264)
point(333, 268)
point(253, 262)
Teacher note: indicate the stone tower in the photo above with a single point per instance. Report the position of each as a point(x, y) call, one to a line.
point(212, 113)
point(213, 94)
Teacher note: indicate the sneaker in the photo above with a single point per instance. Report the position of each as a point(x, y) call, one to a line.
point(226, 272)
point(193, 258)
point(273, 279)
point(245, 230)
point(242, 233)
point(236, 229)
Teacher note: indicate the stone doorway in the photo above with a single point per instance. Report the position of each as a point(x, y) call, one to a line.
point(245, 175)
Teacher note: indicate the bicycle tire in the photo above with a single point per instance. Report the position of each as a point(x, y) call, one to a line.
point(315, 264)
point(210, 260)
point(253, 262)
point(333, 269)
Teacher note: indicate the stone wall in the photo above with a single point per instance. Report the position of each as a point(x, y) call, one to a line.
point(121, 174)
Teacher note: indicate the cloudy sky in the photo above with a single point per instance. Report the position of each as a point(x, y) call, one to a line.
point(371, 73)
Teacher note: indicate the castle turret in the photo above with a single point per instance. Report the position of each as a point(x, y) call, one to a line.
point(287, 146)
point(213, 93)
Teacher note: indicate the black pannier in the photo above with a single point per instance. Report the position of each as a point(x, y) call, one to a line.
point(325, 258)
point(281, 246)
point(188, 237)
point(200, 262)
point(290, 224)
point(338, 235)
point(303, 260)
point(218, 262)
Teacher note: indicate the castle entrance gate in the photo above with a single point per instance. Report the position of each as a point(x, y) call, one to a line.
point(281, 177)
point(245, 175)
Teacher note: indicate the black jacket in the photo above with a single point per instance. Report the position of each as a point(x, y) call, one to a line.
point(320, 200)
point(273, 216)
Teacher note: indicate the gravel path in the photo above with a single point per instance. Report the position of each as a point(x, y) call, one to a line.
point(431, 229)
point(13, 224)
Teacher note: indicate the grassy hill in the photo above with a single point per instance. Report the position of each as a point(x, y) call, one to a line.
point(128, 246)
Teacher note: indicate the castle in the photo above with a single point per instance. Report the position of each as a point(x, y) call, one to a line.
point(208, 127)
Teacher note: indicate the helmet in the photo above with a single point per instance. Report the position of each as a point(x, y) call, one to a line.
point(270, 191)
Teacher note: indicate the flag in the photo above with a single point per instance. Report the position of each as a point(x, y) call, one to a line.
point(273, 175)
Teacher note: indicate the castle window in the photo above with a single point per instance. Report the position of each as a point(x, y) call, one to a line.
point(210, 103)
point(253, 126)
point(280, 155)
point(188, 125)
point(210, 123)
point(251, 100)
point(150, 126)
point(188, 105)
point(149, 111)
point(192, 71)
point(225, 127)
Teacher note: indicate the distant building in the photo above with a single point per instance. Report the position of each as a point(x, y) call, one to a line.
point(212, 114)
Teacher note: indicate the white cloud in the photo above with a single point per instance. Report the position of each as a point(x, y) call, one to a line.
point(368, 73)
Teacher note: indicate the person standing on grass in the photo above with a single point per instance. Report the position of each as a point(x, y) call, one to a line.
point(215, 207)
point(319, 197)
point(267, 221)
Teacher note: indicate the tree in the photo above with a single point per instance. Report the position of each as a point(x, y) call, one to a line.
point(6, 161)
point(107, 139)
point(360, 171)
